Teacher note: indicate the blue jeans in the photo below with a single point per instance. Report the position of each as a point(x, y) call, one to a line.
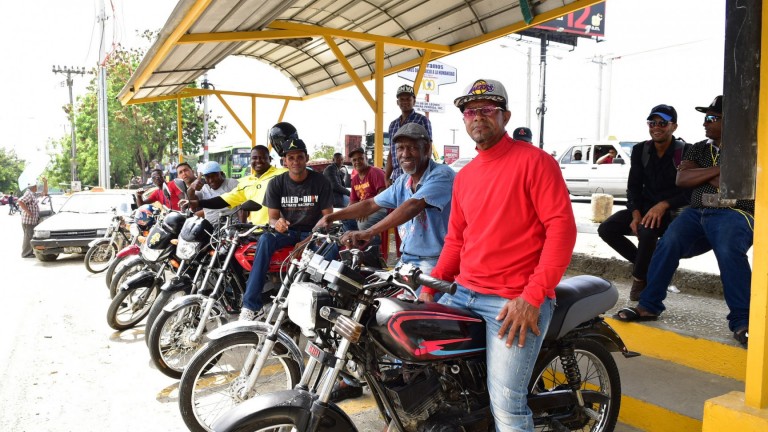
point(725, 231)
point(509, 369)
point(268, 244)
point(426, 264)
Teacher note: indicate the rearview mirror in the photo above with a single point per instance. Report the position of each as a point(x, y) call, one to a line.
point(182, 187)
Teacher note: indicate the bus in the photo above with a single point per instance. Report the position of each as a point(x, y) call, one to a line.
point(235, 160)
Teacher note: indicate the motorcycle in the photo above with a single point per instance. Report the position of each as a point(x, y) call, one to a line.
point(136, 295)
point(144, 218)
point(101, 252)
point(228, 369)
point(179, 330)
point(392, 345)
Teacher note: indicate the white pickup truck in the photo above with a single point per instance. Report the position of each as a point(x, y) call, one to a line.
point(584, 176)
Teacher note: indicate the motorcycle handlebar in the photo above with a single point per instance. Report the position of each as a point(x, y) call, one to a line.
point(440, 285)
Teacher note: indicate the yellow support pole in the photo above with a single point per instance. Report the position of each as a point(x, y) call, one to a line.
point(420, 74)
point(178, 129)
point(282, 112)
point(748, 411)
point(378, 159)
point(350, 71)
point(232, 113)
point(253, 121)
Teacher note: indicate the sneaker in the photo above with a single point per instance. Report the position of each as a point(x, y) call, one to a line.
point(637, 288)
point(250, 315)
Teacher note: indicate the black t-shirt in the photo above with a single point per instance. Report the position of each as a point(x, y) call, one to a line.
point(707, 155)
point(301, 204)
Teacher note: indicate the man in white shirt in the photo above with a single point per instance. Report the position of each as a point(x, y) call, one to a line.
point(214, 185)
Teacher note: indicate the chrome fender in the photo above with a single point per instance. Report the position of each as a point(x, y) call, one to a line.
point(185, 301)
point(294, 404)
point(93, 243)
point(259, 327)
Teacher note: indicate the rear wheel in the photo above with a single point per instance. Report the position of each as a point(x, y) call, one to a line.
point(212, 381)
point(600, 383)
point(129, 307)
point(100, 256)
point(170, 338)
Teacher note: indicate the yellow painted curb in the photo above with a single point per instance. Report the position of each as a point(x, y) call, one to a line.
point(701, 354)
point(652, 418)
point(729, 413)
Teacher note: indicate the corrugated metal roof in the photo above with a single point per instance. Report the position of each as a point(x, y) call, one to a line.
point(293, 36)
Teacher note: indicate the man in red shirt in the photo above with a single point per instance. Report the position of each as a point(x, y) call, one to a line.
point(367, 182)
point(168, 194)
point(510, 237)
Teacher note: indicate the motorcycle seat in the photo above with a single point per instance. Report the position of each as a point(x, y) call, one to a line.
point(580, 299)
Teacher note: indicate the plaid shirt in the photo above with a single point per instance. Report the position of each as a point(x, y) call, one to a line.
point(30, 199)
point(413, 117)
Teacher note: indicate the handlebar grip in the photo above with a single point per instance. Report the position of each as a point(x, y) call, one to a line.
point(440, 285)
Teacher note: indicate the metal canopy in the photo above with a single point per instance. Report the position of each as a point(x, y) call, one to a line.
point(323, 45)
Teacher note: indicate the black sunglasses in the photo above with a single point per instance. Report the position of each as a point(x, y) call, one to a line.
point(709, 118)
point(659, 123)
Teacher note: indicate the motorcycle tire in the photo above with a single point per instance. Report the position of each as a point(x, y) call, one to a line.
point(122, 275)
point(598, 373)
point(163, 299)
point(114, 266)
point(210, 383)
point(100, 256)
point(129, 307)
point(170, 347)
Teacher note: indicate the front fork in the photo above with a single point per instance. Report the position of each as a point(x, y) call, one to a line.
point(211, 300)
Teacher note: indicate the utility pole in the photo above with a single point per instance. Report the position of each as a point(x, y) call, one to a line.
point(69, 71)
point(206, 85)
point(103, 131)
point(542, 109)
point(454, 135)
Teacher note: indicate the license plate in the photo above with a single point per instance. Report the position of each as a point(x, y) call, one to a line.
point(72, 250)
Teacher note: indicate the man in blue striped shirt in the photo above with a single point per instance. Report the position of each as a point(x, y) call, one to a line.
point(406, 99)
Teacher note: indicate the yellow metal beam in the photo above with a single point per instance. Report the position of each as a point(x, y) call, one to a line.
point(192, 16)
point(195, 92)
point(243, 36)
point(379, 111)
point(282, 112)
point(422, 69)
point(253, 121)
point(232, 113)
point(179, 128)
point(350, 71)
point(756, 392)
point(365, 37)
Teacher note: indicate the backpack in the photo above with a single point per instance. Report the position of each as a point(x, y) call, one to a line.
point(677, 157)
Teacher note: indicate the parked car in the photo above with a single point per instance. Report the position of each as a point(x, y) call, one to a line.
point(584, 176)
point(84, 217)
point(459, 163)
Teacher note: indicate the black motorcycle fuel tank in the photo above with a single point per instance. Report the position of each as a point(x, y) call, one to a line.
point(418, 332)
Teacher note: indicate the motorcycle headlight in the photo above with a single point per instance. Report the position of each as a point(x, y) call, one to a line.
point(42, 234)
point(186, 250)
point(150, 254)
point(305, 300)
point(134, 230)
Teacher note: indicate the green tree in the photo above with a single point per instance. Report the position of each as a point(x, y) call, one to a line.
point(138, 134)
point(10, 170)
point(324, 151)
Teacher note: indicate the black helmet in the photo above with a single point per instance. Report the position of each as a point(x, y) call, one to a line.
point(281, 135)
point(197, 229)
point(174, 222)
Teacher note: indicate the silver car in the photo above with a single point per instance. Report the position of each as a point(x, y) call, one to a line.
point(586, 171)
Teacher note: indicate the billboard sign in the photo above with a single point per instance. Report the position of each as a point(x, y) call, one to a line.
point(424, 106)
point(588, 22)
point(436, 71)
point(450, 154)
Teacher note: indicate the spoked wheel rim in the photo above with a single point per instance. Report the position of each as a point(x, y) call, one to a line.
point(136, 304)
point(102, 257)
point(219, 384)
point(176, 343)
point(595, 377)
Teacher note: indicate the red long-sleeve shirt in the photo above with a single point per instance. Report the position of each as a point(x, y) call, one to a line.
point(511, 231)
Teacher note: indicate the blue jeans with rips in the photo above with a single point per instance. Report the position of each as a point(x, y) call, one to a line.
point(509, 369)
point(727, 232)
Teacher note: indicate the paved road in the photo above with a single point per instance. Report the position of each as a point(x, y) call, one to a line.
point(63, 369)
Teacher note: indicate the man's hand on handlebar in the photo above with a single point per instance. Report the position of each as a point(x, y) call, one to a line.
point(356, 239)
point(322, 224)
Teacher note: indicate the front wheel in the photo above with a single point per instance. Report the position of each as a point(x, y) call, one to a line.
point(114, 266)
point(100, 256)
point(123, 274)
point(171, 345)
point(599, 380)
point(213, 380)
point(130, 306)
point(162, 300)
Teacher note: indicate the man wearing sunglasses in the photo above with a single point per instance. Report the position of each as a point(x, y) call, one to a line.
point(702, 227)
point(510, 237)
point(652, 196)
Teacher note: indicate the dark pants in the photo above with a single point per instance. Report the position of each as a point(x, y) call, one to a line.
point(614, 232)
